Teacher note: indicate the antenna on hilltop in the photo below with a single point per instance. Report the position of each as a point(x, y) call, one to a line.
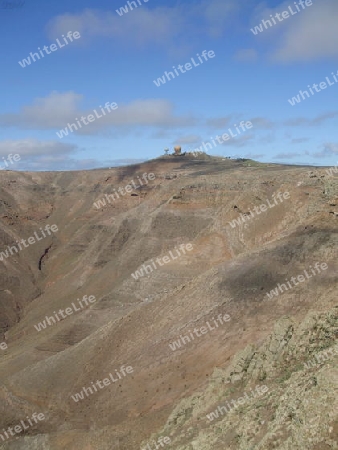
point(166, 150)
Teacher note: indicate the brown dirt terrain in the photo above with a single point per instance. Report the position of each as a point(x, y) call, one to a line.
point(229, 271)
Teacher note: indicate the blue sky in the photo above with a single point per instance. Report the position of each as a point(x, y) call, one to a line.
point(116, 58)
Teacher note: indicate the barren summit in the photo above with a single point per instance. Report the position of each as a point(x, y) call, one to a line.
point(145, 368)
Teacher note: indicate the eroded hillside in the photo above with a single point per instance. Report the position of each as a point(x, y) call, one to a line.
point(230, 272)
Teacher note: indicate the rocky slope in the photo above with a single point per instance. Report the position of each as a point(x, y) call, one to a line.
point(230, 271)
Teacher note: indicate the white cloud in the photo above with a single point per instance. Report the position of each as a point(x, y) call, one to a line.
point(39, 155)
point(299, 140)
point(52, 163)
point(218, 123)
point(287, 155)
point(58, 109)
point(46, 112)
point(311, 35)
point(33, 147)
point(159, 25)
point(217, 14)
point(239, 141)
point(330, 147)
point(261, 122)
point(189, 139)
point(246, 55)
point(304, 121)
point(140, 26)
point(307, 35)
point(267, 139)
point(161, 134)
